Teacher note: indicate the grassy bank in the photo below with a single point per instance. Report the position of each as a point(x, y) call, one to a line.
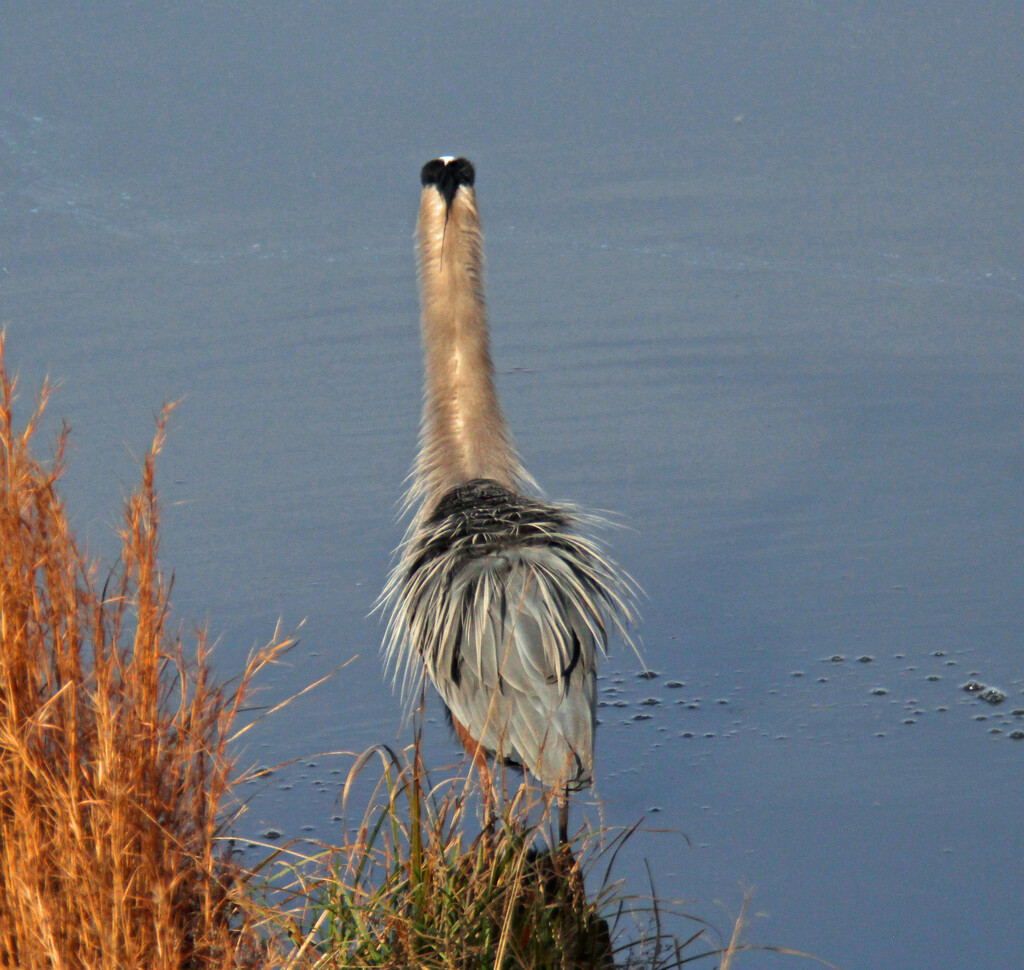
point(116, 791)
point(418, 884)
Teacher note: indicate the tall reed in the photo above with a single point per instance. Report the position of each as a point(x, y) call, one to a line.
point(114, 770)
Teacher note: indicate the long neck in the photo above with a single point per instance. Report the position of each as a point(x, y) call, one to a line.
point(464, 435)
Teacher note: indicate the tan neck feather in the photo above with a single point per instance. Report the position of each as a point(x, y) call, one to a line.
point(464, 435)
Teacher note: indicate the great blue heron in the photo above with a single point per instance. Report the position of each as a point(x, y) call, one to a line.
point(496, 593)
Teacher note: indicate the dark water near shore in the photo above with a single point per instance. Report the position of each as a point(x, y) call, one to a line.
point(756, 283)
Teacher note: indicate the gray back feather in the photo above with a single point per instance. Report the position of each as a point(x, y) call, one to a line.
point(506, 606)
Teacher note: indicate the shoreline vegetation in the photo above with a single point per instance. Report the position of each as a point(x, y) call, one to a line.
point(114, 763)
point(116, 779)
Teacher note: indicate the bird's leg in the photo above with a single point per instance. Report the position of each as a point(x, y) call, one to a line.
point(478, 753)
point(563, 817)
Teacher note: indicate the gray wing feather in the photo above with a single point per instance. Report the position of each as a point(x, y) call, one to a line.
point(508, 608)
point(512, 692)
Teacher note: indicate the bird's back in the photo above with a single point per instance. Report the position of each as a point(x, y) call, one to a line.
point(506, 604)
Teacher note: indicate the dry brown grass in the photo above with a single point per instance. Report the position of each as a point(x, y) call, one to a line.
point(114, 771)
point(115, 778)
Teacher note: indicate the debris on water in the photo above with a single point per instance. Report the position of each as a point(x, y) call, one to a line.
point(650, 702)
point(722, 700)
point(909, 720)
point(1017, 735)
point(866, 659)
point(939, 653)
point(271, 834)
point(934, 677)
point(990, 695)
point(648, 675)
point(1019, 712)
point(674, 684)
point(880, 691)
point(796, 673)
point(837, 658)
point(641, 717)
